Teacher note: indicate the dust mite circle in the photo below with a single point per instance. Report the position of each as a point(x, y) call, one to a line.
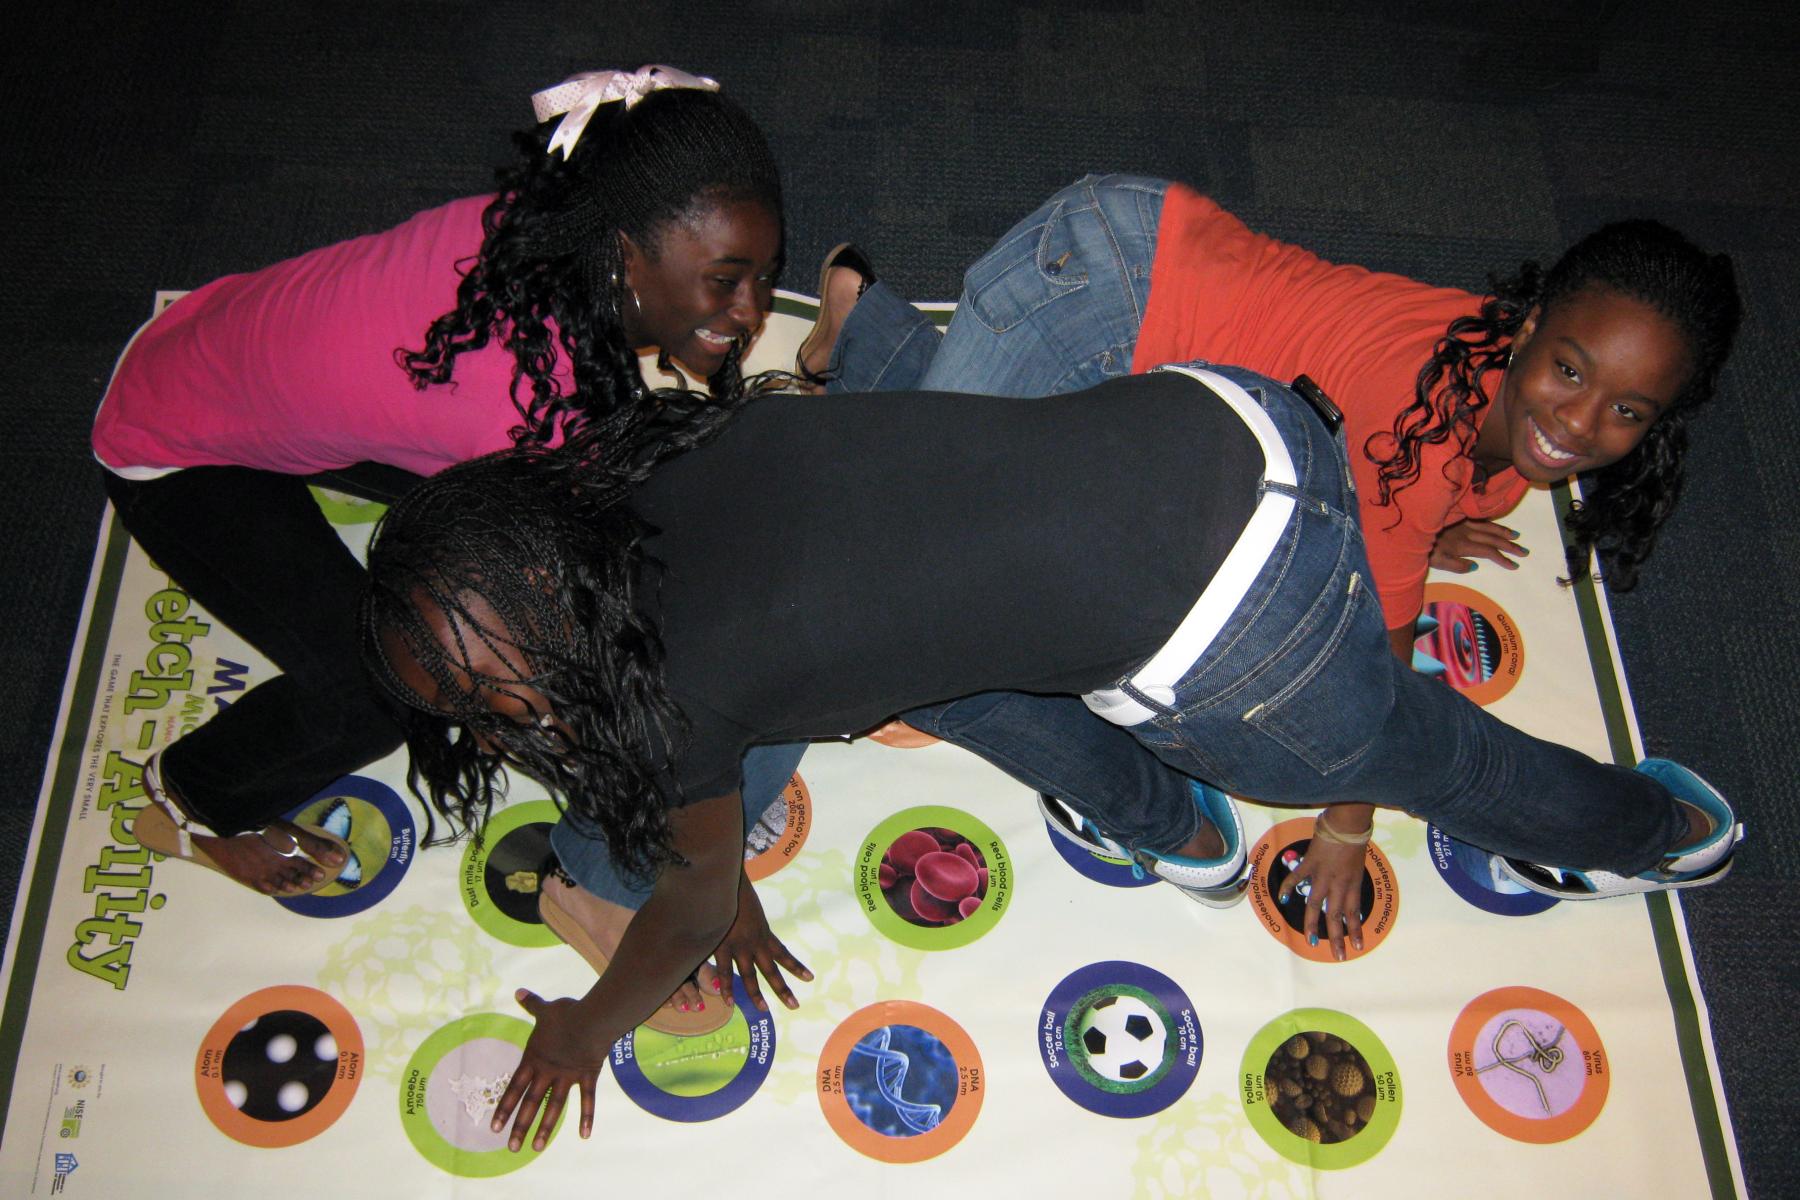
point(1277, 854)
point(777, 837)
point(1471, 874)
point(1529, 1064)
point(449, 1091)
point(933, 878)
point(1101, 868)
point(1119, 1039)
point(1468, 641)
point(698, 1078)
point(900, 1082)
point(1320, 1088)
point(279, 1066)
point(499, 879)
point(379, 828)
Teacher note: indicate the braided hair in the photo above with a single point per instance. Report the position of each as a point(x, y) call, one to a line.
point(530, 557)
point(549, 278)
point(1625, 503)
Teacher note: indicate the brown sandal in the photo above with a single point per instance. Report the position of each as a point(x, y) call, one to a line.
point(160, 828)
point(565, 925)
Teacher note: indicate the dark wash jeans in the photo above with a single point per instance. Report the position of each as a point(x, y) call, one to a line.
point(254, 550)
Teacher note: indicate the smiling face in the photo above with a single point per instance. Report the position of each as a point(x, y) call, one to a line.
point(1585, 382)
point(707, 282)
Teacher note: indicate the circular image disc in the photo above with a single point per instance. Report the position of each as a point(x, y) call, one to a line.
point(778, 835)
point(1469, 642)
point(499, 879)
point(279, 1066)
point(698, 1078)
point(451, 1087)
point(1529, 1064)
point(1101, 868)
point(1119, 1039)
point(378, 826)
point(1472, 874)
point(1277, 854)
point(1321, 1089)
point(933, 878)
point(900, 1082)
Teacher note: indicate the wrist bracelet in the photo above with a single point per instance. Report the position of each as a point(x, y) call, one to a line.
point(1322, 831)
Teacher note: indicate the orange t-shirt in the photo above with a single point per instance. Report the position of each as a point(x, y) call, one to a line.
point(1221, 292)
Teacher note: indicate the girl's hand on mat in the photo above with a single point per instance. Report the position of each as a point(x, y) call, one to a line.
point(755, 950)
point(1459, 544)
point(560, 1054)
point(1335, 873)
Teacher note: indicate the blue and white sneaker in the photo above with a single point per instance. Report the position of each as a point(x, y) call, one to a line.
point(1215, 882)
point(1707, 861)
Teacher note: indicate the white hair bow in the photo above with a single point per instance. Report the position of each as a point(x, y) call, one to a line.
point(578, 96)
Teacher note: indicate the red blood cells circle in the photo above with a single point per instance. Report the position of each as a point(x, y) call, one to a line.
point(933, 876)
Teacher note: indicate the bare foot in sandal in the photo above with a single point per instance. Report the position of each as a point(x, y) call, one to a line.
point(845, 276)
point(257, 861)
point(599, 924)
point(281, 859)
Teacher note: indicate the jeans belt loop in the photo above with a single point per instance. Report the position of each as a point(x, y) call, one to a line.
point(1157, 678)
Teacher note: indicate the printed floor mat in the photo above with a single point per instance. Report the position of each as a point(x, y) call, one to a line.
point(1036, 1021)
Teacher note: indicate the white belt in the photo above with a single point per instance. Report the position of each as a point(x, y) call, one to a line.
point(1157, 678)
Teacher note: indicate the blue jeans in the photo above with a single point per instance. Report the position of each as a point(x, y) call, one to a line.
point(587, 861)
point(1299, 699)
point(1054, 307)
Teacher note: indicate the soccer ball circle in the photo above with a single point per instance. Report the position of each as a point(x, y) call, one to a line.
point(1122, 1038)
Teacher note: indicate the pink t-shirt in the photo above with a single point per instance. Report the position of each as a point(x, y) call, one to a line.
point(291, 368)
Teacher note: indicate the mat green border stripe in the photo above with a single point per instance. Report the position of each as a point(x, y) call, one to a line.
point(1676, 982)
point(808, 309)
point(34, 919)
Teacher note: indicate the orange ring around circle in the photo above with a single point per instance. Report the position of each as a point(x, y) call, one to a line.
point(779, 855)
point(921, 1146)
point(271, 1135)
point(1565, 1124)
point(1512, 660)
point(1381, 875)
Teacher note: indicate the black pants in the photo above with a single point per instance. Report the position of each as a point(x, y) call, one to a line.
point(253, 548)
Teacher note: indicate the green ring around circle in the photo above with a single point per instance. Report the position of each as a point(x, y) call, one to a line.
point(489, 916)
point(1368, 1141)
point(428, 1141)
point(898, 928)
point(1076, 1051)
point(341, 511)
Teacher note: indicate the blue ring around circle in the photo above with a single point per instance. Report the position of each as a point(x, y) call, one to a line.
point(1445, 853)
point(402, 849)
point(1092, 866)
point(653, 1100)
point(1069, 1081)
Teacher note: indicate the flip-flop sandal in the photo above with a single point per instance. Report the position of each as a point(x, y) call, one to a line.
point(160, 831)
point(1704, 863)
point(844, 254)
point(563, 924)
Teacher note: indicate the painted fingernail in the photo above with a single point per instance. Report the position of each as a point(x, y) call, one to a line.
point(684, 1006)
point(1521, 550)
point(1312, 939)
point(700, 1006)
point(718, 985)
point(1474, 567)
